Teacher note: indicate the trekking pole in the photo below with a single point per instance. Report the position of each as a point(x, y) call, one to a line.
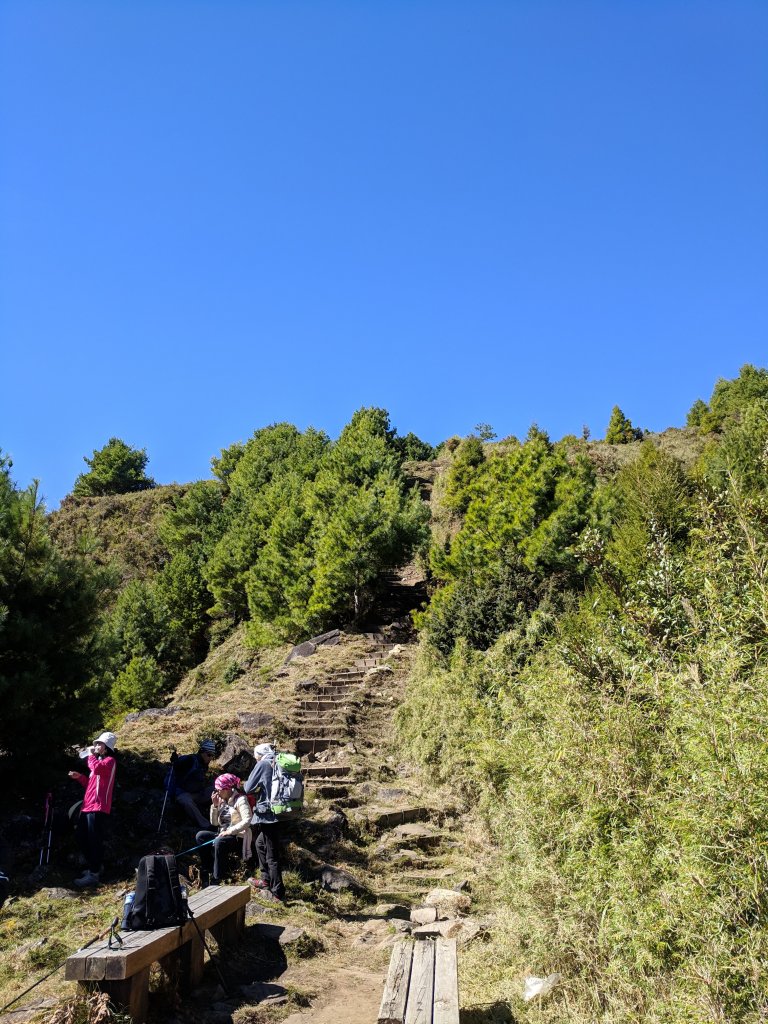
point(45, 845)
point(108, 930)
point(168, 779)
point(214, 960)
point(193, 848)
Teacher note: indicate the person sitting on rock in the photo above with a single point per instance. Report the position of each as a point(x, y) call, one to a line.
point(231, 819)
point(97, 805)
point(191, 787)
point(268, 828)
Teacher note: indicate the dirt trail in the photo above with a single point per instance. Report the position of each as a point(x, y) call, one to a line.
point(351, 996)
point(391, 841)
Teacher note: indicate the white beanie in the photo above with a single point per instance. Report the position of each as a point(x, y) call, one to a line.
point(108, 739)
point(263, 750)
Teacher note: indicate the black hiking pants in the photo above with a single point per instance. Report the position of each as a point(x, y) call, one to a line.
point(91, 829)
point(215, 857)
point(269, 842)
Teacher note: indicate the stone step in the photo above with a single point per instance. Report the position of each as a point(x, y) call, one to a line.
point(327, 771)
point(337, 692)
point(311, 745)
point(346, 674)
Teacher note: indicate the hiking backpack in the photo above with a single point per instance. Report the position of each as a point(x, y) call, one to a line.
point(158, 902)
point(287, 796)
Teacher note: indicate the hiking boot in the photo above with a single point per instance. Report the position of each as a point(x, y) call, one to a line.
point(258, 883)
point(89, 878)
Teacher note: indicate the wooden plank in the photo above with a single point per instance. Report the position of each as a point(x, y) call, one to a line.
point(446, 999)
point(392, 1010)
point(421, 988)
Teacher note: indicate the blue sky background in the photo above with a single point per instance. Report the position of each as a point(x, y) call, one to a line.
point(217, 214)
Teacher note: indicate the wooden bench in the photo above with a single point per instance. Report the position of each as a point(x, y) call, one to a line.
point(422, 985)
point(124, 972)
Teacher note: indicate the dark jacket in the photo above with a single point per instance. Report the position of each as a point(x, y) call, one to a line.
point(260, 784)
point(189, 774)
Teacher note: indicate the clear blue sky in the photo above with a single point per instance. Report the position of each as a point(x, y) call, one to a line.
point(216, 214)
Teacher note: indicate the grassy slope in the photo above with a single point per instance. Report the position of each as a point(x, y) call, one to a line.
point(118, 529)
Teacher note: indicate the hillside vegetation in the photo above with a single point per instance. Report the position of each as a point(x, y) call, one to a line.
point(593, 676)
point(590, 679)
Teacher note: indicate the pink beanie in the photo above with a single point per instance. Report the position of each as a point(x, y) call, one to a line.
point(227, 781)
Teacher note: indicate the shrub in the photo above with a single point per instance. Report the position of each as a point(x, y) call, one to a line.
point(139, 685)
point(114, 469)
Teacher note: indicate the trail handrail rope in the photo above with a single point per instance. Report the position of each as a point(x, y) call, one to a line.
point(110, 929)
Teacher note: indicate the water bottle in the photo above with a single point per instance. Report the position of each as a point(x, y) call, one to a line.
point(184, 904)
point(127, 908)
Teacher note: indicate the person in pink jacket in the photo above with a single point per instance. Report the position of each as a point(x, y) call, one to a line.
point(97, 805)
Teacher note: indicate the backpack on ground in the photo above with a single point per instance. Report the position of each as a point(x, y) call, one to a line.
point(158, 902)
point(287, 796)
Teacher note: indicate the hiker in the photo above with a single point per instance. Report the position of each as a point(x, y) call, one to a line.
point(97, 805)
point(267, 827)
point(191, 787)
point(231, 820)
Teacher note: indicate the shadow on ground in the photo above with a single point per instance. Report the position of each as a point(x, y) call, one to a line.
point(487, 1013)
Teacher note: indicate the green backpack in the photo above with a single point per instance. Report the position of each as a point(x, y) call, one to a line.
point(287, 795)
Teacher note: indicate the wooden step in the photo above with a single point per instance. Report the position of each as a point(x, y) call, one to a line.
point(327, 771)
point(311, 745)
point(326, 717)
point(324, 731)
point(323, 705)
point(329, 791)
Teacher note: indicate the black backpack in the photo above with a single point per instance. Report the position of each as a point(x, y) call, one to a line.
point(158, 902)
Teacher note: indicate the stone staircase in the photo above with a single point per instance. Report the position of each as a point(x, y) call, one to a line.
point(325, 720)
